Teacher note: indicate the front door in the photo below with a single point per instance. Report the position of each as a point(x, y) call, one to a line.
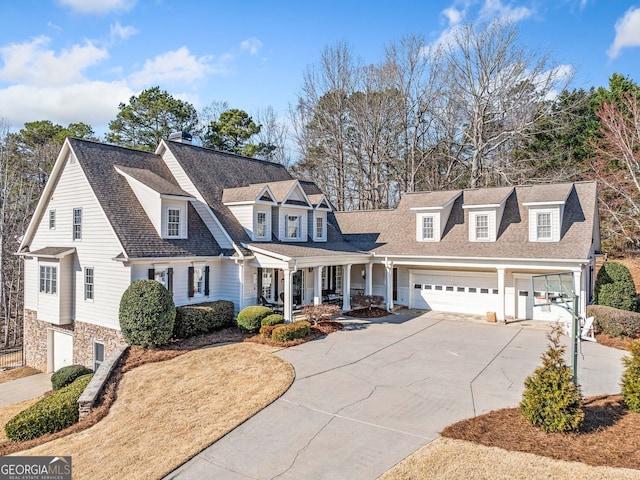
point(523, 299)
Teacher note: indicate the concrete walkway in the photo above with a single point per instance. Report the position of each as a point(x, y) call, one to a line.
point(24, 388)
point(370, 395)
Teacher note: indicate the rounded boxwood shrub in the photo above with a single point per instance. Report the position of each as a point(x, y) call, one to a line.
point(250, 318)
point(551, 401)
point(51, 414)
point(147, 314)
point(65, 375)
point(631, 378)
point(192, 320)
point(266, 330)
point(271, 320)
point(615, 287)
point(615, 322)
point(291, 331)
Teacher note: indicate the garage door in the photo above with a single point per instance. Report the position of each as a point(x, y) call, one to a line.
point(62, 350)
point(476, 294)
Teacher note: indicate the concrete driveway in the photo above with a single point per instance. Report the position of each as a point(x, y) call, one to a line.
point(370, 395)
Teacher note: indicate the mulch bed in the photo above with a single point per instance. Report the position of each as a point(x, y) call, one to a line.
point(373, 312)
point(621, 343)
point(322, 328)
point(609, 435)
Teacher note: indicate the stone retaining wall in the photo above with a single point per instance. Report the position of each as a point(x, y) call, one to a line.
point(87, 400)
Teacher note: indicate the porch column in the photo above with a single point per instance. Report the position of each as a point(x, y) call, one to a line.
point(500, 313)
point(346, 287)
point(368, 284)
point(288, 314)
point(317, 285)
point(389, 285)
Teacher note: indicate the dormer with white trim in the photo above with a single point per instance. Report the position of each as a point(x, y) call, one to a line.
point(252, 206)
point(546, 211)
point(165, 204)
point(293, 213)
point(318, 220)
point(432, 214)
point(485, 208)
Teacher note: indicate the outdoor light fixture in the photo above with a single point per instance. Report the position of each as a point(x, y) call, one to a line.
point(364, 274)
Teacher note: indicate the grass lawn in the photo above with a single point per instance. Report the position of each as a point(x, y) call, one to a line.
point(166, 412)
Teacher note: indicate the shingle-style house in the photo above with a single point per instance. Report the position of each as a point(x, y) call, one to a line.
point(211, 225)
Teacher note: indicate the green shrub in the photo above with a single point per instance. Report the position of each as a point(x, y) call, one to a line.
point(615, 288)
point(147, 314)
point(551, 401)
point(273, 319)
point(51, 414)
point(291, 331)
point(631, 378)
point(66, 375)
point(192, 320)
point(614, 322)
point(250, 318)
point(266, 330)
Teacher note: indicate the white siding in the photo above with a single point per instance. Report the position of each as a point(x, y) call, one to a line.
point(208, 217)
point(555, 223)
point(250, 285)
point(492, 225)
point(184, 220)
point(31, 285)
point(96, 249)
point(150, 202)
point(49, 303)
point(244, 215)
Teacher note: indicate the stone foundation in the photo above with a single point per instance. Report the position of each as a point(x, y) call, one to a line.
point(36, 340)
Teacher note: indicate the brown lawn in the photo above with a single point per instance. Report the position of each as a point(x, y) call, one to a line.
point(166, 412)
point(15, 373)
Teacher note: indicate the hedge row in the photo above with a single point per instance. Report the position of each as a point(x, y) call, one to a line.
point(66, 375)
point(192, 320)
point(615, 322)
point(51, 414)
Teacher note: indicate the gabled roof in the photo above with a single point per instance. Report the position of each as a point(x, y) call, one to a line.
point(133, 228)
point(153, 181)
point(546, 194)
point(250, 193)
point(392, 232)
point(428, 200)
point(486, 196)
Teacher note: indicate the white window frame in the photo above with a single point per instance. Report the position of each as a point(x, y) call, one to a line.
point(319, 227)
point(261, 226)
point(198, 281)
point(288, 219)
point(267, 283)
point(77, 224)
point(339, 278)
point(174, 224)
point(89, 283)
point(485, 218)
point(548, 226)
point(425, 228)
point(48, 279)
point(160, 275)
point(52, 219)
point(96, 362)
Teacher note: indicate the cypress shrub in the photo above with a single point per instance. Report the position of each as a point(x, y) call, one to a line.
point(631, 378)
point(615, 288)
point(147, 314)
point(51, 414)
point(551, 401)
point(66, 375)
point(250, 318)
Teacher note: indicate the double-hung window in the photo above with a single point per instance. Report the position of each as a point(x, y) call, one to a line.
point(293, 226)
point(48, 279)
point(98, 355)
point(319, 227)
point(261, 224)
point(543, 224)
point(88, 283)
point(427, 227)
point(77, 224)
point(52, 219)
point(198, 282)
point(482, 227)
point(173, 222)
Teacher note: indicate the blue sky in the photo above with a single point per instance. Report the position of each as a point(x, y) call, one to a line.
point(75, 60)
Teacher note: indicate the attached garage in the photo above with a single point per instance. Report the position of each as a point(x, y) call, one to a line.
point(61, 349)
point(460, 292)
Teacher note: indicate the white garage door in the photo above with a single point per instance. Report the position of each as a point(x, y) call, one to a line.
point(62, 350)
point(454, 292)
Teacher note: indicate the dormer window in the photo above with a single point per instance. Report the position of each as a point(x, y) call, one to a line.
point(261, 224)
point(293, 226)
point(319, 227)
point(427, 227)
point(543, 221)
point(173, 222)
point(482, 227)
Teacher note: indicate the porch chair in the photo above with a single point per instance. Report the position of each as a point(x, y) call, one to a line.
point(586, 330)
point(266, 303)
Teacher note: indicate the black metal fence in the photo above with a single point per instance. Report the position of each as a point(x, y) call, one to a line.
point(11, 357)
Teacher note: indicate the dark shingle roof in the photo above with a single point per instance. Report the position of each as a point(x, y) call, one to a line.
point(154, 181)
point(393, 232)
point(127, 217)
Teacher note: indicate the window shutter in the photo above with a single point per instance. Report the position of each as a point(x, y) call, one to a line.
point(206, 281)
point(152, 274)
point(191, 289)
point(170, 280)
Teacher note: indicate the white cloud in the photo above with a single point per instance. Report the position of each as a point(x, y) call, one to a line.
point(34, 64)
point(252, 44)
point(98, 6)
point(453, 15)
point(95, 103)
point(121, 32)
point(627, 32)
point(179, 66)
point(496, 9)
